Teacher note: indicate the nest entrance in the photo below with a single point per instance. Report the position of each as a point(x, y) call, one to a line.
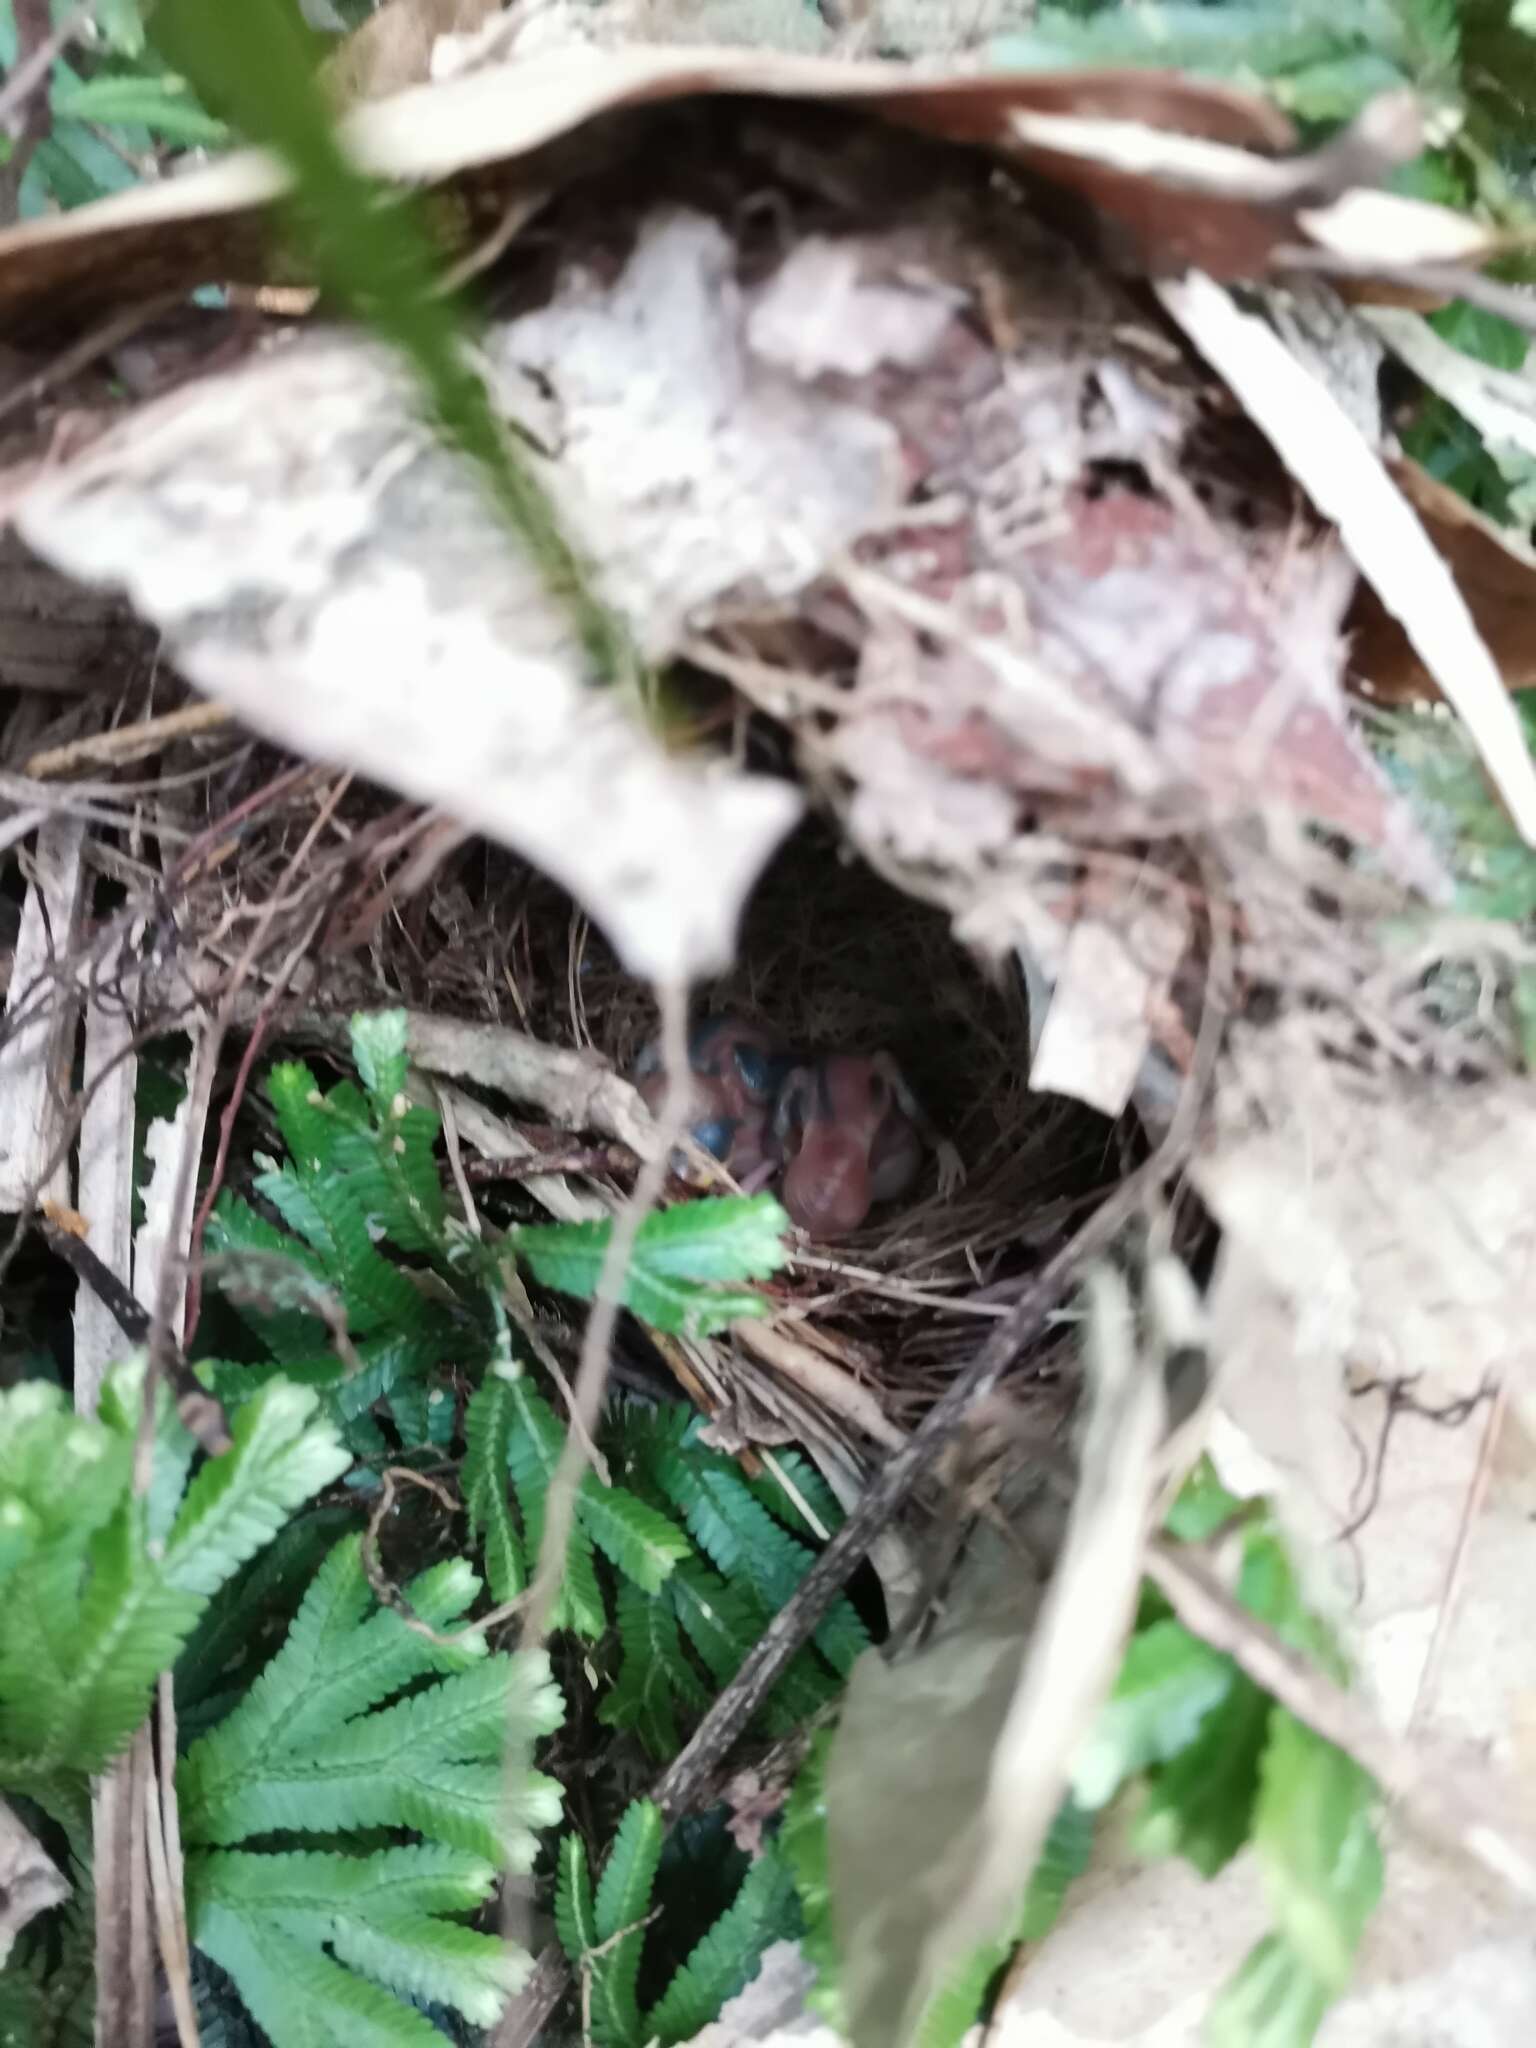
point(833, 958)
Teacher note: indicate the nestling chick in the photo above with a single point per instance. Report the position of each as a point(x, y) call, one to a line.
point(736, 1079)
point(853, 1134)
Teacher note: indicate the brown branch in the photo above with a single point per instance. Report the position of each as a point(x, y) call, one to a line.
point(199, 1410)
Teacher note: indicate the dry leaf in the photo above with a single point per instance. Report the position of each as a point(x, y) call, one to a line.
point(1496, 574)
point(931, 1844)
point(1346, 481)
point(334, 576)
point(30, 1882)
point(186, 230)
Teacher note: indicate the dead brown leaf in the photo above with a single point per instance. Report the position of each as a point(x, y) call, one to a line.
point(208, 225)
point(1496, 574)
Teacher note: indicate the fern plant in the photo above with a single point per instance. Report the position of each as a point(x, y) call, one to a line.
point(360, 1195)
point(361, 1724)
point(102, 1586)
point(681, 1558)
point(604, 1934)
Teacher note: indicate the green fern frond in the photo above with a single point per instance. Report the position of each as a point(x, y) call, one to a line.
point(272, 1583)
point(340, 1735)
point(575, 1911)
point(382, 1915)
point(236, 1227)
point(773, 1492)
point(378, 1053)
point(295, 1992)
point(723, 1619)
point(744, 1542)
point(325, 1210)
point(729, 1955)
point(338, 1661)
point(282, 1454)
point(533, 1453)
point(93, 1616)
point(654, 1674)
point(681, 1258)
point(644, 1544)
point(308, 1132)
point(623, 1902)
point(486, 1479)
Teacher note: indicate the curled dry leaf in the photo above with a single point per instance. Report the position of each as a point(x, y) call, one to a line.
point(333, 575)
point(1229, 214)
point(931, 1847)
point(1496, 574)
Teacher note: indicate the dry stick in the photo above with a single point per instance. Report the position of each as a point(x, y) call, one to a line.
point(597, 1340)
point(124, 741)
point(201, 1412)
point(1458, 1801)
point(165, 1897)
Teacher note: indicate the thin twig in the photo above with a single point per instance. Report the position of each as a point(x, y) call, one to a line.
point(1512, 302)
point(201, 1412)
point(1459, 1802)
point(127, 742)
point(1472, 1508)
point(165, 1894)
point(597, 1340)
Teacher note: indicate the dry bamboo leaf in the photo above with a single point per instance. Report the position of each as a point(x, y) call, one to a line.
point(1345, 479)
point(206, 225)
point(931, 1845)
point(1496, 574)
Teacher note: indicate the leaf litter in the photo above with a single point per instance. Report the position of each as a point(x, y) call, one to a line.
point(1034, 606)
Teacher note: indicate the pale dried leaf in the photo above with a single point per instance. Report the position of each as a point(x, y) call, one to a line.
point(105, 1192)
point(30, 1881)
point(931, 1845)
point(1098, 1028)
point(336, 578)
point(1346, 481)
point(394, 47)
point(41, 1007)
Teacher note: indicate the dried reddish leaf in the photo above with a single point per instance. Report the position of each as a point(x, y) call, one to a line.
point(1497, 577)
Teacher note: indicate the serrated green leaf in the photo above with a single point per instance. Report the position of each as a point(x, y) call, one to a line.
point(575, 1914)
point(1169, 1683)
point(1200, 1804)
point(680, 1257)
point(642, 1542)
point(378, 1051)
point(729, 1955)
point(623, 1901)
point(283, 1452)
point(486, 1479)
point(308, 1131)
point(91, 1665)
point(533, 1453)
point(340, 1736)
point(654, 1674)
